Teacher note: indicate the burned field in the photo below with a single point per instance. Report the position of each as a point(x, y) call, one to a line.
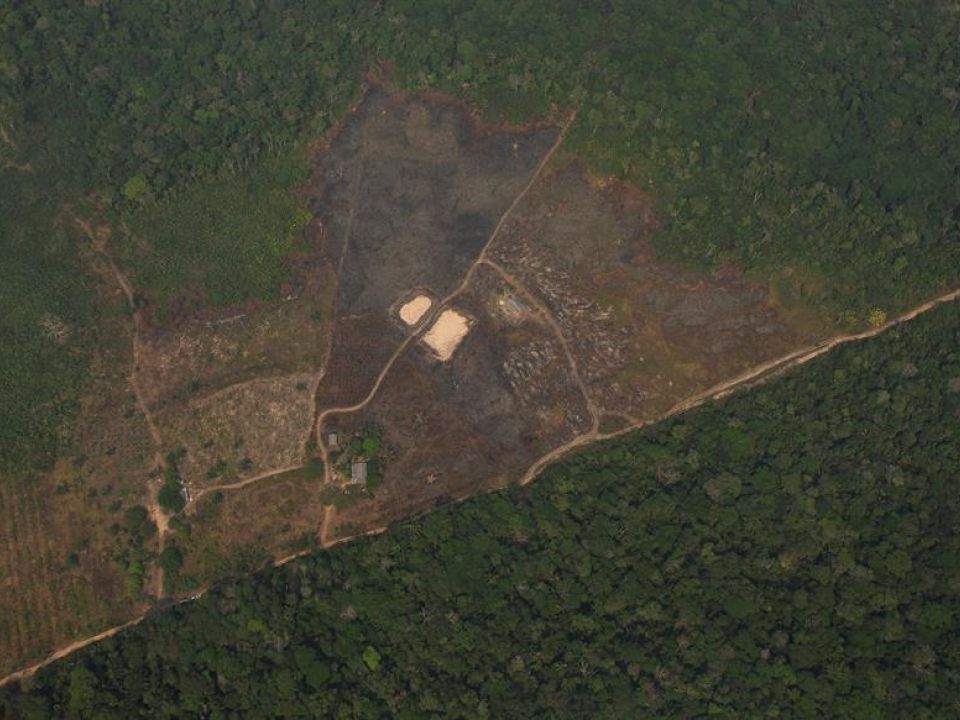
point(408, 193)
point(505, 397)
point(645, 335)
point(567, 327)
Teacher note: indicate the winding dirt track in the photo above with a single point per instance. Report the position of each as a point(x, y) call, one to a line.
point(226, 487)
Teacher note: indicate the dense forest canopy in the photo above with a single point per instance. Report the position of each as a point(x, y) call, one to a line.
point(811, 142)
point(789, 552)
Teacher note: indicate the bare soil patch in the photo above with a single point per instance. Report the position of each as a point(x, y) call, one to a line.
point(446, 333)
point(412, 310)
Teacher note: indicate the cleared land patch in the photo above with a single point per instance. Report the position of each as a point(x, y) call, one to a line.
point(241, 431)
point(446, 333)
point(413, 310)
point(211, 350)
point(236, 531)
point(567, 326)
point(643, 333)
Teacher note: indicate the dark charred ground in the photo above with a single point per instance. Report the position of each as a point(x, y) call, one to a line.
point(478, 420)
point(409, 192)
point(645, 335)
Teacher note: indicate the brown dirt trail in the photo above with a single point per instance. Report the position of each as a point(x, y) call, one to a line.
point(98, 243)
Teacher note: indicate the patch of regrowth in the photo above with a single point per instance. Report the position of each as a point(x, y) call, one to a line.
point(222, 241)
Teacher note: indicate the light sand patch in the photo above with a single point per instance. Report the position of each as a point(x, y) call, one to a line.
point(412, 311)
point(446, 333)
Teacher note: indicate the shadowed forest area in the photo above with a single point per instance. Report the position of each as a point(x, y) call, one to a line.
point(790, 551)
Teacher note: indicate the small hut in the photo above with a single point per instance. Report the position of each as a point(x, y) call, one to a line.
point(358, 472)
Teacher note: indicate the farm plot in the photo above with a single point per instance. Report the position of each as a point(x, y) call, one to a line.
point(69, 565)
point(645, 335)
point(408, 193)
point(476, 420)
point(241, 431)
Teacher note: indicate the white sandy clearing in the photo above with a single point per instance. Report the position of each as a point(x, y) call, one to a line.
point(412, 311)
point(446, 333)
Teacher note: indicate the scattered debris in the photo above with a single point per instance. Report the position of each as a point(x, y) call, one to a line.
point(55, 329)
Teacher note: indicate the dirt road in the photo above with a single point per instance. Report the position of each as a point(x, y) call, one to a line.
point(226, 487)
point(760, 374)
